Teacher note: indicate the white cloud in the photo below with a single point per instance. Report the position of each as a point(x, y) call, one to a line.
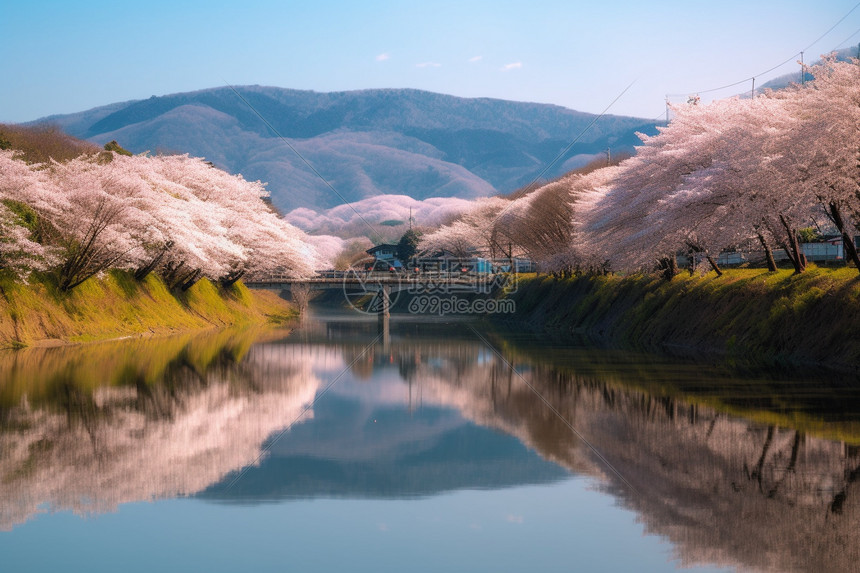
point(475, 59)
point(512, 66)
point(514, 518)
point(428, 65)
point(382, 57)
point(344, 220)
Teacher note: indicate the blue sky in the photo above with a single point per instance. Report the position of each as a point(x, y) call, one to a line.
point(62, 57)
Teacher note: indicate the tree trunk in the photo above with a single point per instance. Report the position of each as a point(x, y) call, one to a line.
point(847, 241)
point(670, 267)
point(714, 265)
point(768, 253)
point(795, 450)
point(85, 257)
point(190, 279)
point(171, 271)
point(759, 468)
point(231, 278)
point(182, 281)
point(695, 248)
point(798, 258)
point(142, 272)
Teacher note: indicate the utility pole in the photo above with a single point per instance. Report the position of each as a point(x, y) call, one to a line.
point(752, 93)
point(667, 109)
point(802, 70)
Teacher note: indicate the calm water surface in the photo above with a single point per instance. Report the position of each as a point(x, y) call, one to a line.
point(437, 449)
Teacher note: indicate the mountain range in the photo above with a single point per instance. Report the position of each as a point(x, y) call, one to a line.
point(320, 150)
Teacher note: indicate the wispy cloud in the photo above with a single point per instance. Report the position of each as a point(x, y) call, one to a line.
point(514, 518)
point(475, 59)
point(428, 65)
point(382, 57)
point(512, 66)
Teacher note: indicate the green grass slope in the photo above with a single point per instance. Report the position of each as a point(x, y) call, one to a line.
point(752, 314)
point(116, 306)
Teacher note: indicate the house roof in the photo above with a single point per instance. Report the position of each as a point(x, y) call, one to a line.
point(377, 248)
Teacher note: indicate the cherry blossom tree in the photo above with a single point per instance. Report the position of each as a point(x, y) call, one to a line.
point(96, 217)
point(22, 230)
point(473, 233)
point(540, 225)
point(18, 251)
point(175, 215)
point(822, 150)
point(669, 197)
point(711, 179)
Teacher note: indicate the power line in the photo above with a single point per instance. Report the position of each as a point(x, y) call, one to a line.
point(832, 27)
point(743, 81)
point(840, 44)
point(752, 78)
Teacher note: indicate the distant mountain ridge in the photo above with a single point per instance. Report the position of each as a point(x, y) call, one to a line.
point(364, 143)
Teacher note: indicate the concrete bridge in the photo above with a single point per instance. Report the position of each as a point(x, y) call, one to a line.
point(375, 281)
point(381, 285)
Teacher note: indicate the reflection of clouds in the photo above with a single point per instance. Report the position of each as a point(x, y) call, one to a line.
point(386, 390)
point(320, 359)
point(122, 444)
point(327, 362)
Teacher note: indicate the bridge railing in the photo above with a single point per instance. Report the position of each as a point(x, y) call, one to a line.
point(436, 270)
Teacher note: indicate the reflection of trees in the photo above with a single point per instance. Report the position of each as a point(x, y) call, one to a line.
point(724, 490)
point(88, 431)
point(73, 444)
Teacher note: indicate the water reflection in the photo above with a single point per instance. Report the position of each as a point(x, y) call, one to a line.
point(752, 473)
point(88, 428)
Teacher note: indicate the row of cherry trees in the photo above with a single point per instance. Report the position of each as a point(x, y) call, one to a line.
point(175, 215)
point(739, 169)
point(541, 224)
point(716, 177)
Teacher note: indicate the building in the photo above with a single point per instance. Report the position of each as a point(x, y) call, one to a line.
point(383, 252)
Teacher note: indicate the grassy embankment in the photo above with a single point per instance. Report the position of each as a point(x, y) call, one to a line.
point(118, 306)
point(750, 314)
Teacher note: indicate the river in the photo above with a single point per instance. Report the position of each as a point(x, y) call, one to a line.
point(446, 446)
